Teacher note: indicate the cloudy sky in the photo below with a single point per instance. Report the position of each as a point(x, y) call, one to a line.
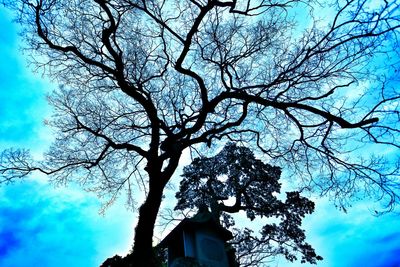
point(45, 226)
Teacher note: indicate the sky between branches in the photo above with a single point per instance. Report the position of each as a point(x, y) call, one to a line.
point(45, 226)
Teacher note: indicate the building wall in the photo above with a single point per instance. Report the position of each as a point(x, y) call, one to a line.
point(189, 244)
point(210, 249)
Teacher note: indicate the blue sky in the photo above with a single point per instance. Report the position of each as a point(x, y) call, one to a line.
point(45, 226)
point(41, 225)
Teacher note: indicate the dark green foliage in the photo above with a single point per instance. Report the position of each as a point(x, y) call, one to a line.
point(158, 260)
point(251, 187)
point(116, 261)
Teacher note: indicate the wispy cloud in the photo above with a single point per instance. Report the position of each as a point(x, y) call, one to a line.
point(23, 104)
point(44, 226)
point(39, 227)
point(353, 239)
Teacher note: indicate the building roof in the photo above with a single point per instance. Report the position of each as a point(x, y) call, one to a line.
point(203, 219)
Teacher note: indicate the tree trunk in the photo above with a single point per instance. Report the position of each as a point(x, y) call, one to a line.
point(142, 255)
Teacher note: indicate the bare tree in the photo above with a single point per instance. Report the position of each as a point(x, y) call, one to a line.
point(142, 81)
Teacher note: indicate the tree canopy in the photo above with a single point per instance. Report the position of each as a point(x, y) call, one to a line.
point(235, 181)
point(144, 81)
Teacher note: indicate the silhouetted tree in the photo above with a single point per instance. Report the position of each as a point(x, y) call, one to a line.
point(144, 80)
point(235, 181)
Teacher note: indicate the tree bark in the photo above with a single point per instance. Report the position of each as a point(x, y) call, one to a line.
point(142, 255)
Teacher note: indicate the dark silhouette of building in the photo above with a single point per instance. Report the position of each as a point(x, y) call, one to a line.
point(199, 241)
